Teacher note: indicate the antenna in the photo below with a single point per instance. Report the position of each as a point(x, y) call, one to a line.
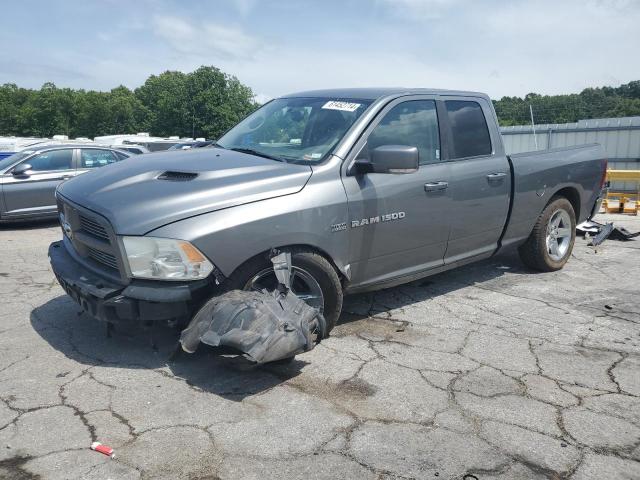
point(533, 125)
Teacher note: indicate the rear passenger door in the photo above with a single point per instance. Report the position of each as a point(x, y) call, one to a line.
point(91, 158)
point(480, 178)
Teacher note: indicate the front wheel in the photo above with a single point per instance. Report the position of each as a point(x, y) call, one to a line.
point(551, 242)
point(313, 279)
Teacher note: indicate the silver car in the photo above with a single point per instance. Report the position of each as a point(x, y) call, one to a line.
point(28, 179)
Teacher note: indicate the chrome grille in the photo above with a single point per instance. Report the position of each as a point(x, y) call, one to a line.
point(93, 228)
point(91, 237)
point(103, 258)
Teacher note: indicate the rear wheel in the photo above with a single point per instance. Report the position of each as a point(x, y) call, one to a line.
point(313, 279)
point(551, 242)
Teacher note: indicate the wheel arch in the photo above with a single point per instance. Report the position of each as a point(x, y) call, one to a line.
point(572, 195)
point(341, 272)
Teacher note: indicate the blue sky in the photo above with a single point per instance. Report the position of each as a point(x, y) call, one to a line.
point(500, 47)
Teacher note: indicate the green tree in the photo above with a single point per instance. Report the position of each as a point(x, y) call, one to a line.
point(207, 102)
point(590, 103)
point(166, 98)
point(217, 101)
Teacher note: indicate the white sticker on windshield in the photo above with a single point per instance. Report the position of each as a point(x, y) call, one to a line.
point(344, 106)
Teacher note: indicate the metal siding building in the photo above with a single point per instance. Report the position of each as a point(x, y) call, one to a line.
point(620, 137)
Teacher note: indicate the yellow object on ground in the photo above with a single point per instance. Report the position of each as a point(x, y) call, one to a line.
point(623, 202)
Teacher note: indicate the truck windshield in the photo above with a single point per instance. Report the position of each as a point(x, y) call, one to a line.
point(300, 130)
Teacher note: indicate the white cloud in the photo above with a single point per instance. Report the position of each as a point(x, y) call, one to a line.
point(498, 46)
point(244, 7)
point(420, 9)
point(262, 98)
point(208, 39)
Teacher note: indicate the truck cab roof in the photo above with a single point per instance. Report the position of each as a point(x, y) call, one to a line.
point(377, 93)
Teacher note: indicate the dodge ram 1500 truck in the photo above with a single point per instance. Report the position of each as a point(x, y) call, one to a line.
point(366, 188)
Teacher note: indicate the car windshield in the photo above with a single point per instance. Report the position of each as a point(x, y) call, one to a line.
point(16, 157)
point(301, 130)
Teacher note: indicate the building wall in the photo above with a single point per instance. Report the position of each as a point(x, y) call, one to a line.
point(620, 138)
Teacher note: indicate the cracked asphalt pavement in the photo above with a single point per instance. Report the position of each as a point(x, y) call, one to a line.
point(485, 372)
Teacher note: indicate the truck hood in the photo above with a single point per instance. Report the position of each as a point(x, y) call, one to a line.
point(148, 191)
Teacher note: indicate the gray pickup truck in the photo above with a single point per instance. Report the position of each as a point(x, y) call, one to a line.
point(366, 188)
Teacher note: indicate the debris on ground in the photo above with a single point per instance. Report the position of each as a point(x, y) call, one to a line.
point(98, 447)
point(601, 232)
point(602, 235)
point(588, 227)
point(264, 326)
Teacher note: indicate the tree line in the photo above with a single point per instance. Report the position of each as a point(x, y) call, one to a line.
point(604, 102)
point(207, 102)
point(203, 103)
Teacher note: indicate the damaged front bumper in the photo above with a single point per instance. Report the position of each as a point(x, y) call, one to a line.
point(140, 301)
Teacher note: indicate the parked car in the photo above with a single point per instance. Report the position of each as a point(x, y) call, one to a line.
point(366, 188)
point(11, 145)
point(28, 179)
point(193, 144)
point(182, 145)
point(203, 143)
point(135, 149)
point(152, 144)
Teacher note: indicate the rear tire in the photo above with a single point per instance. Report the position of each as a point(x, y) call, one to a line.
point(551, 242)
point(307, 263)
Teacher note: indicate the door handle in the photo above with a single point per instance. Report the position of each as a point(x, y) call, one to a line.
point(66, 177)
point(496, 176)
point(435, 186)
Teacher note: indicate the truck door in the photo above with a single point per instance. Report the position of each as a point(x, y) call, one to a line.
point(480, 178)
point(33, 192)
point(398, 223)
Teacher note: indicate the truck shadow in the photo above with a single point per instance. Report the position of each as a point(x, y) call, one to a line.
point(382, 304)
point(30, 224)
point(85, 340)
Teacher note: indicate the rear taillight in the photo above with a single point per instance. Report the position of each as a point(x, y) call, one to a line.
point(604, 173)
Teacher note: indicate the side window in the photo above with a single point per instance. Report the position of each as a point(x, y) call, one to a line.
point(413, 123)
point(120, 155)
point(470, 135)
point(52, 160)
point(93, 158)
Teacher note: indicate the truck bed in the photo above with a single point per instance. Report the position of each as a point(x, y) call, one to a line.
point(538, 176)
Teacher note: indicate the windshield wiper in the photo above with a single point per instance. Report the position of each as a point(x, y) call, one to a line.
point(257, 153)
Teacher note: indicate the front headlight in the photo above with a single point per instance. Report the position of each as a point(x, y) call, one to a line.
point(165, 259)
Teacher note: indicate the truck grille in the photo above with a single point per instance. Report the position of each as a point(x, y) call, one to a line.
point(92, 238)
point(93, 228)
point(103, 258)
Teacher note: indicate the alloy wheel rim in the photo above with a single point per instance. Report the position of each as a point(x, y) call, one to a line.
point(558, 235)
point(303, 285)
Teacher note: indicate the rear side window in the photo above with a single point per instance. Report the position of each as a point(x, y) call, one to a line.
point(414, 124)
point(94, 158)
point(52, 160)
point(470, 135)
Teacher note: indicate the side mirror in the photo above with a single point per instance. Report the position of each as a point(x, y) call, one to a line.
point(21, 169)
point(390, 159)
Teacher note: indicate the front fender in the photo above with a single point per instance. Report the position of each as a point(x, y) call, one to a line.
point(232, 236)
